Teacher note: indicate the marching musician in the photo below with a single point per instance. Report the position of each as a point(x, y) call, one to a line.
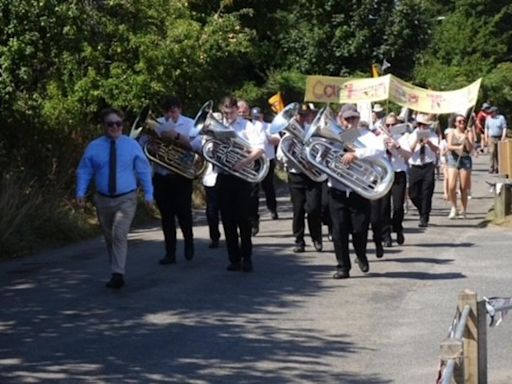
point(424, 145)
point(267, 184)
point(398, 153)
point(234, 192)
point(118, 165)
point(350, 212)
point(173, 192)
point(305, 194)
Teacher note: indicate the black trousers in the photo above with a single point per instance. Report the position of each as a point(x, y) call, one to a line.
point(421, 188)
point(173, 195)
point(233, 195)
point(212, 212)
point(267, 184)
point(326, 215)
point(388, 212)
point(350, 215)
point(306, 197)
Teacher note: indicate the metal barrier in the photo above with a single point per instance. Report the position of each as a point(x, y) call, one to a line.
point(464, 352)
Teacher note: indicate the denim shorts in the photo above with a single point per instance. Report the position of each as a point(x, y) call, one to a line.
point(459, 162)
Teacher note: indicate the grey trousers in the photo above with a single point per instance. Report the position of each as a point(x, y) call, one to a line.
point(115, 216)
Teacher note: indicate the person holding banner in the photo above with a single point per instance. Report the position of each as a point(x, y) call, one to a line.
point(350, 212)
point(424, 145)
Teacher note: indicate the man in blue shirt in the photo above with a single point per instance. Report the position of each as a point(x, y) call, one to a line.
point(495, 131)
point(117, 164)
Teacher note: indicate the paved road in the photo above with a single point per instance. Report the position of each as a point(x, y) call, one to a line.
point(288, 322)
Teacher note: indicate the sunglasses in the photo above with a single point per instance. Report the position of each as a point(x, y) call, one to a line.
point(390, 125)
point(460, 121)
point(112, 124)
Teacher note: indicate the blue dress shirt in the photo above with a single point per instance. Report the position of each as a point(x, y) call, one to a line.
point(132, 166)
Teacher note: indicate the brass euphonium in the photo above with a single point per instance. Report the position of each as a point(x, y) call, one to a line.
point(326, 143)
point(292, 144)
point(163, 152)
point(224, 148)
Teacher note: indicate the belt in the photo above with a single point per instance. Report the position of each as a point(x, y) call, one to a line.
point(496, 137)
point(423, 165)
point(114, 196)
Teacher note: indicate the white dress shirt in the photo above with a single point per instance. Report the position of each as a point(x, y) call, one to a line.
point(430, 156)
point(183, 126)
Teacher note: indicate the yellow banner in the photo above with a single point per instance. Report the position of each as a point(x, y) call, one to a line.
point(325, 89)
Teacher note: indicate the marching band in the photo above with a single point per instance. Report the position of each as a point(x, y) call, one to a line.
point(355, 172)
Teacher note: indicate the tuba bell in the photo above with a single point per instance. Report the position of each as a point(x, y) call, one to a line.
point(292, 144)
point(224, 148)
point(326, 143)
point(162, 152)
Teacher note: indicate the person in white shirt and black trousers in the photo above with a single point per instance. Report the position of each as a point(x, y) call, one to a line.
point(173, 192)
point(351, 212)
point(424, 144)
point(234, 193)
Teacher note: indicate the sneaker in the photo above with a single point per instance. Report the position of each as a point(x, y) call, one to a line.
point(462, 215)
point(318, 246)
point(274, 215)
point(400, 238)
point(299, 248)
point(453, 213)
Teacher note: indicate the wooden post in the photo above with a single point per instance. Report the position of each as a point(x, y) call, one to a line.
point(469, 372)
point(482, 343)
point(502, 198)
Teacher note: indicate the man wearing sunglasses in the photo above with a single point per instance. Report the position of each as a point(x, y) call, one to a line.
point(118, 165)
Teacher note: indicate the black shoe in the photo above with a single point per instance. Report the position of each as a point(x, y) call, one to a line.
point(189, 252)
point(388, 242)
point(341, 274)
point(400, 238)
point(116, 281)
point(423, 223)
point(318, 246)
point(167, 260)
point(255, 228)
point(274, 215)
point(247, 265)
point(299, 248)
point(214, 244)
point(234, 267)
point(363, 265)
point(379, 251)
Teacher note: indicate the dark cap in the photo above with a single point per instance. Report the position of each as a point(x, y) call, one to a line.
point(486, 106)
point(256, 112)
point(349, 110)
point(304, 109)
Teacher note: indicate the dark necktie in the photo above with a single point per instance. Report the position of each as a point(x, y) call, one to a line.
point(112, 169)
point(422, 153)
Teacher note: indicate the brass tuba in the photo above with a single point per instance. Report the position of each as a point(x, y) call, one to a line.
point(326, 143)
point(292, 144)
point(167, 154)
point(224, 148)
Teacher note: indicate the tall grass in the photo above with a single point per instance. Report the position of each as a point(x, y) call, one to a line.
point(34, 216)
